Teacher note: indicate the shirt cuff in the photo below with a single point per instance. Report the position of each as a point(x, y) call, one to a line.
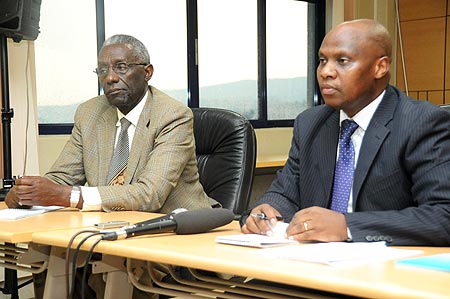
point(91, 199)
point(349, 235)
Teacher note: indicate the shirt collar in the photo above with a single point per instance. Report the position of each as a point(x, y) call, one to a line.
point(363, 117)
point(133, 115)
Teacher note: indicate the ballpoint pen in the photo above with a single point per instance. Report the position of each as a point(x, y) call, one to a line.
point(264, 217)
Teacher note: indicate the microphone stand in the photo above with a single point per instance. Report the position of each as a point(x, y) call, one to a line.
point(7, 113)
point(10, 285)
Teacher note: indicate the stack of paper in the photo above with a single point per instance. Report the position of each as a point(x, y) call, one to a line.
point(12, 214)
point(339, 253)
point(254, 240)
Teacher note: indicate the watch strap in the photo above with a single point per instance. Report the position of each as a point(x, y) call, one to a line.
point(75, 196)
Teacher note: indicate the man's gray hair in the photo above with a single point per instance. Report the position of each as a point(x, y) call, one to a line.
point(135, 45)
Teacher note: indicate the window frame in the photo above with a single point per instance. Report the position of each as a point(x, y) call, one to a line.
point(316, 20)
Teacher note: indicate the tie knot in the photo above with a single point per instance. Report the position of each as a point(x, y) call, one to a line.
point(125, 123)
point(348, 127)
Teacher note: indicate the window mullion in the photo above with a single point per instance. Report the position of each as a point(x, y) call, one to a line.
point(192, 54)
point(262, 61)
point(100, 23)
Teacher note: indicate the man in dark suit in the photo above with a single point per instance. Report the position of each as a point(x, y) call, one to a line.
point(400, 190)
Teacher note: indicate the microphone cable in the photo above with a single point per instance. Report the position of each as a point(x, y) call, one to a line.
point(75, 256)
point(66, 264)
point(86, 264)
point(70, 289)
point(74, 261)
point(188, 222)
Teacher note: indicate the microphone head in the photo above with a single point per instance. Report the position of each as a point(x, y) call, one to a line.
point(201, 221)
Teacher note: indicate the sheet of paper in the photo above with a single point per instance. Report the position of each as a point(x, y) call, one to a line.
point(12, 214)
point(339, 253)
point(279, 230)
point(255, 240)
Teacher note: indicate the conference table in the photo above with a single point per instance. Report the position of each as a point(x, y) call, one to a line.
point(270, 277)
point(18, 252)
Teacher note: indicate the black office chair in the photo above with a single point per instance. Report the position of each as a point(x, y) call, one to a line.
point(226, 156)
point(446, 107)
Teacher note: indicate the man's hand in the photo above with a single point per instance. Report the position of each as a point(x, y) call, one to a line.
point(11, 199)
point(317, 224)
point(37, 191)
point(254, 225)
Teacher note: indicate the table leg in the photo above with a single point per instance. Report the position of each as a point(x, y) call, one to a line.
point(117, 282)
point(55, 283)
point(11, 283)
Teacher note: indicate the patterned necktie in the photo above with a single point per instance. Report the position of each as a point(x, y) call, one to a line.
point(343, 174)
point(120, 157)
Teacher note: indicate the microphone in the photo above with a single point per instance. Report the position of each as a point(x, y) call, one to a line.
point(189, 222)
point(154, 220)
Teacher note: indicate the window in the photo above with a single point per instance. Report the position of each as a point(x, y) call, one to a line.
point(256, 57)
point(65, 57)
point(227, 55)
point(161, 26)
point(287, 58)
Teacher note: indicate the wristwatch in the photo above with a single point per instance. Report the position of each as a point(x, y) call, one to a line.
point(75, 196)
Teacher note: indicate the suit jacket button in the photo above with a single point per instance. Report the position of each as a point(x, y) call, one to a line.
point(369, 238)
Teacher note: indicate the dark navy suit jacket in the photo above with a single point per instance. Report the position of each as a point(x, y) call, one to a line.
point(401, 189)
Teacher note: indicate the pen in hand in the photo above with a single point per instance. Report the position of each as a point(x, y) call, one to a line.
point(263, 216)
point(273, 226)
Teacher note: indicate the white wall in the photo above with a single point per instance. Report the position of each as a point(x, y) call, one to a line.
point(22, 93)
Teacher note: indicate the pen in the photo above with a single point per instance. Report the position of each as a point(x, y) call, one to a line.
point(264, 217)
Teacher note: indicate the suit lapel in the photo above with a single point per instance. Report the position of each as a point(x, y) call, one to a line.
point(106, 133)
point(373, 139)
point(140, 138)
point(327, 157)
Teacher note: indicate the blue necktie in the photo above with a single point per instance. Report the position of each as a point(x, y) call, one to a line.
point(343, 173)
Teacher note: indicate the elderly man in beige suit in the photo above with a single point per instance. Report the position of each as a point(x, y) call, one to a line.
point(161, 174)
point(159, 171)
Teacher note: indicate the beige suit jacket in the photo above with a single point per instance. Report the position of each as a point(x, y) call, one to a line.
point(162, 172)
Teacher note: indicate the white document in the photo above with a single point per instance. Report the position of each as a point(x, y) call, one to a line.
point(339, 253)
point(12, 214)
point(255, 240)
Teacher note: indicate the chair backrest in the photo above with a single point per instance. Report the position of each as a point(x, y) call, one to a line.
point(445, 107)
point(226, 156)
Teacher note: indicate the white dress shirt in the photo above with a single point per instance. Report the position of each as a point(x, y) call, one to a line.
point(362, 118)
point(91, 197)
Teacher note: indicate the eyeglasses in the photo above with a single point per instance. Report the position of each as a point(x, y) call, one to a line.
point(120, 68)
